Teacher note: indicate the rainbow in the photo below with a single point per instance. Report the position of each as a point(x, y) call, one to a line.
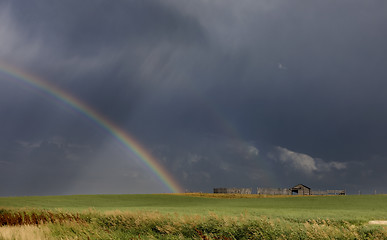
point(118, 133)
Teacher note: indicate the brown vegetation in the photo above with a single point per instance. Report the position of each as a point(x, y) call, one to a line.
point(12, 218)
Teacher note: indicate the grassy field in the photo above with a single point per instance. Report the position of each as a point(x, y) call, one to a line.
point(187, 216)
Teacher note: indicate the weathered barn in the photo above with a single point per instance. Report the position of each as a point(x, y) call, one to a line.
point(300, 189)
point(233, 190)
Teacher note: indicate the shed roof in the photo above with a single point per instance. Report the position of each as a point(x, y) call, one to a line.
point(298, 186)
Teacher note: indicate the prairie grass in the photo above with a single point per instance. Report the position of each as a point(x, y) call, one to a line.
point(156, 225)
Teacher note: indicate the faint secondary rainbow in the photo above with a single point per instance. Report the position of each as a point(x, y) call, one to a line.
point(122, 136)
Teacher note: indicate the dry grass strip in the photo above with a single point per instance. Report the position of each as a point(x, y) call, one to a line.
point(378, 222)
point(26, 232)
point(231, 195)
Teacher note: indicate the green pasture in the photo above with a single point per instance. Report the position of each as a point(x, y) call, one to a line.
point(348, 208)
point(172, 216)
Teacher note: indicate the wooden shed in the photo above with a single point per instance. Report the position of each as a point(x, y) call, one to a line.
point(300, 189)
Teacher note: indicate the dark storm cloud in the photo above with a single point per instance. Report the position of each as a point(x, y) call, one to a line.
point(224, 93)
point(332, 90)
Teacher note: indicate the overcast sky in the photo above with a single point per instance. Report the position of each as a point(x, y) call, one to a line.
point(224, 93)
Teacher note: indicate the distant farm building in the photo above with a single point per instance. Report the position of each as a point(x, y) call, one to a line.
point(299, 189)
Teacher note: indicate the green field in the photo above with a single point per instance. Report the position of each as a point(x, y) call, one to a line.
point(197, 216)
point(365, 207)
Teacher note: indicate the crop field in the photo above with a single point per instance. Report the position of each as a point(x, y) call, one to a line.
point(192, 216)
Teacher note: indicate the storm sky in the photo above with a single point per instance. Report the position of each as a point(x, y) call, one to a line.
point(224, 93)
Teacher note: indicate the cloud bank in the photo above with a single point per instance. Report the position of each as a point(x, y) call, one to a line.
point(223, 93)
